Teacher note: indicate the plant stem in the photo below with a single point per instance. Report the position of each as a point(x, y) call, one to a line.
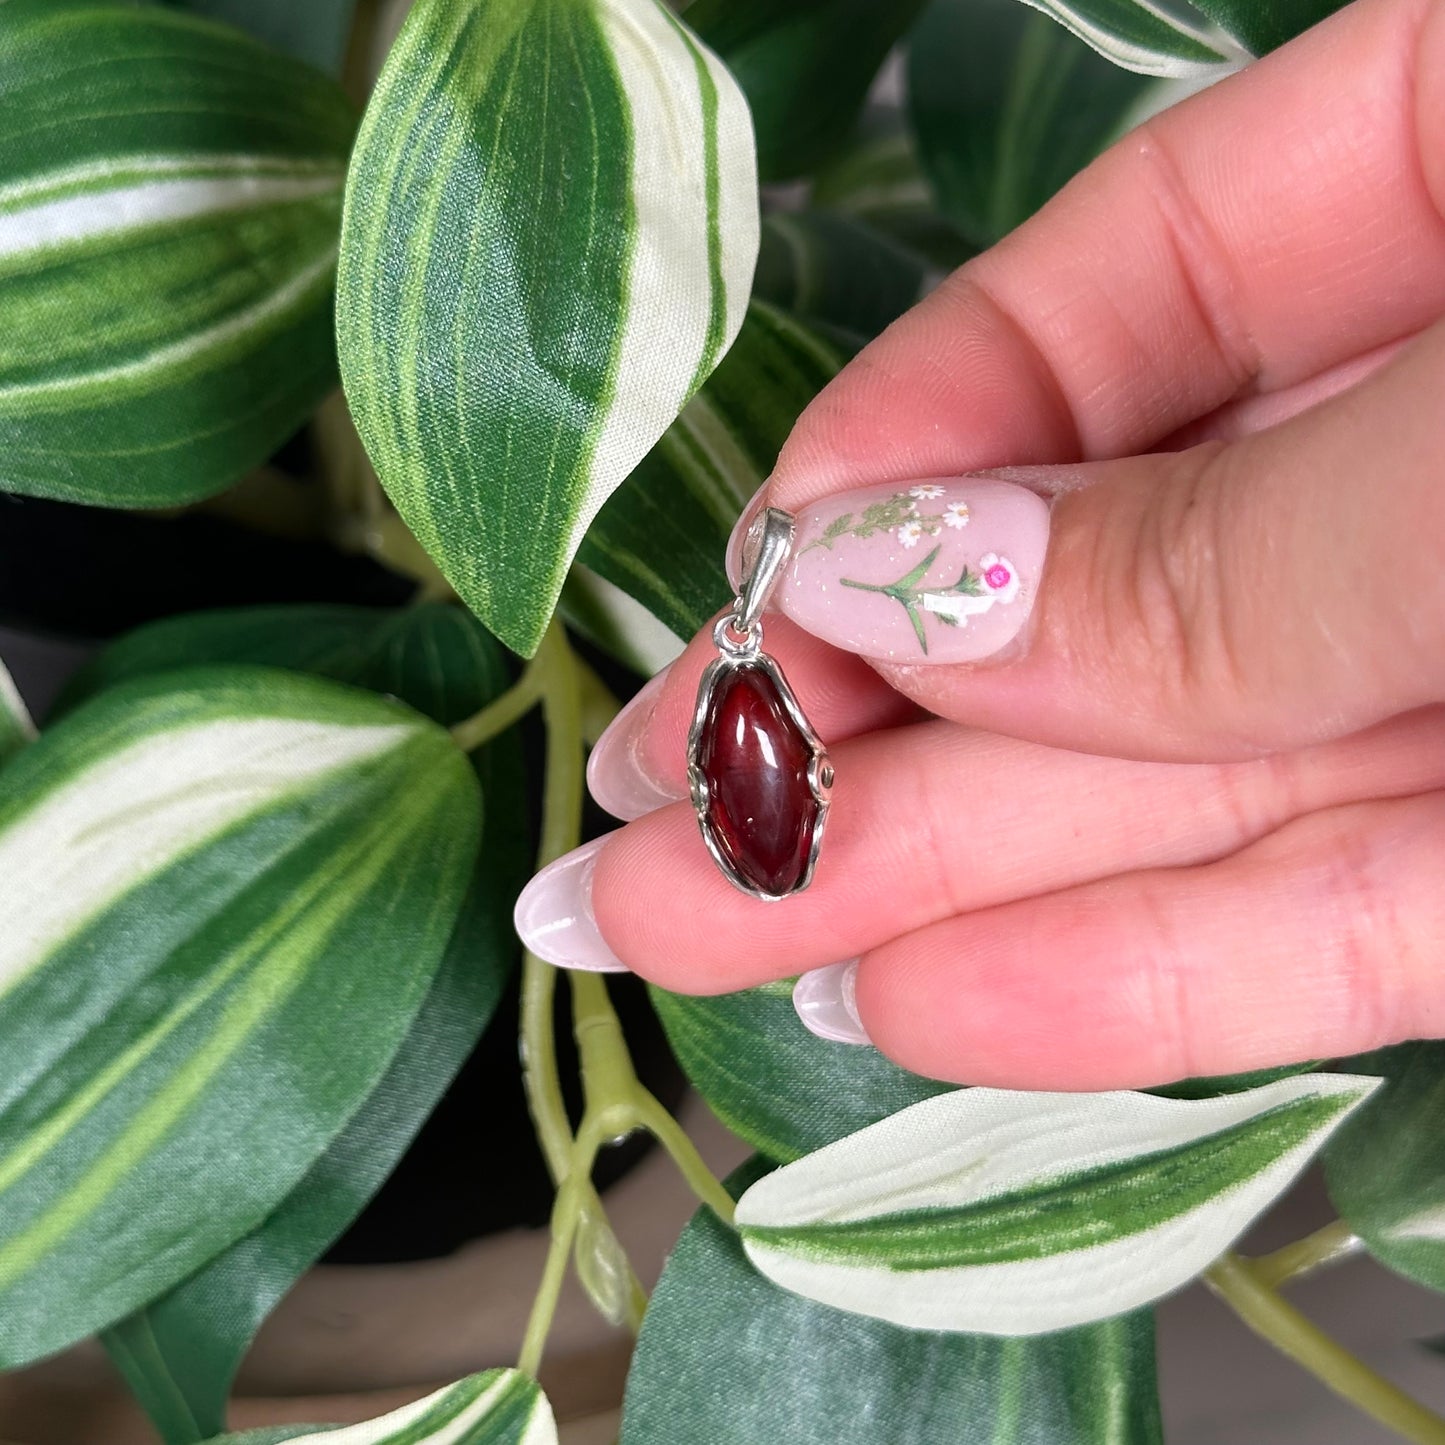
point(553, 675)
point(537, 678)
point(1326, 1246)
point(1308, 1346)
point(567, 1212)
point(690, 1164)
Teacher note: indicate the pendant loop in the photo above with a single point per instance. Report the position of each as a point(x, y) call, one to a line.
point(765, 553)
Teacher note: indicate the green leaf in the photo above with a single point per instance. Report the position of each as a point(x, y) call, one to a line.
point(434, 657)
point(1015, 1214)
point(662, 535)
point(16, 729)
point(727, 1358)
point(877, 179)
point(783, 1089)
point(837, 271)
point(551, 225)
point(1150, 37)
point(314, 30)
point(1386, 1167)
point(180, 1354)
point(805, 66)
point(170, 199)
point(1214, 1085)
point(231, 890)
point(1007, 106)
point(500, 1407)
point(1261, 25)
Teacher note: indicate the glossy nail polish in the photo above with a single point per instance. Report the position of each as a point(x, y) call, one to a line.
point(826, 1001)
point(616, 776)
point(940, 571)
point(553, 916)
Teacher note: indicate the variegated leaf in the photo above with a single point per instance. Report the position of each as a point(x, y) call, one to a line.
point(170, 198)
point(226, 893)
point(1015, 1214)
point(551, 225)
point(180, 1353)
point(1150, 37)
point(500, 1407)
point(1006, 107)
point(16, 729)
point(727, 1358)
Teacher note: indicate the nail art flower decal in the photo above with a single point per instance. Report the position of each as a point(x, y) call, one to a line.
point(900, 515)
point(999, 576)
point(996, 581)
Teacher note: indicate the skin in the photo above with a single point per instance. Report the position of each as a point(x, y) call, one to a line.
point(1197, 824)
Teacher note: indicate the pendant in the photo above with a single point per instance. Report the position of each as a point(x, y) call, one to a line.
point(760, 777)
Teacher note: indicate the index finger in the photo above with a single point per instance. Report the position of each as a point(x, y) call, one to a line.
point(1283, 222)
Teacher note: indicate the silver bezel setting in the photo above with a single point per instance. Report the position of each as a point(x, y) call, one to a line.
point(736, 649)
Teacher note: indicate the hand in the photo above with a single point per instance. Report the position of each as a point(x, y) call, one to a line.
point(1189, 816)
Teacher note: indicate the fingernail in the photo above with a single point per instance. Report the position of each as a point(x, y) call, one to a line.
point(935, 571)
point(553, 917)
point(826, 1001)
point(616, 776)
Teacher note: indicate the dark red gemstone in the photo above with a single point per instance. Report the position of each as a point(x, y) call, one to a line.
point(755, 758)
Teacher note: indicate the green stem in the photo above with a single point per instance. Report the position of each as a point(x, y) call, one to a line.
point(1277, 1321)
point(554, 676)
point(567, 1211)
point(690, 1164)
point(1326, 1246)
point(499, 714)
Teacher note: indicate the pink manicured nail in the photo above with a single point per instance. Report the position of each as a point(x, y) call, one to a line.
point(826, 1001)
point(933, 571)
point(553, 917)
point(616, 777)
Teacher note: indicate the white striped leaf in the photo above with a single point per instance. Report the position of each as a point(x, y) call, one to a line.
point(1006, 107)
point(662, 535)
point(170, 198)
point(1007, 1213)
point(1264, 24)
point(16, 729)
point(1186, 39)
point(551, 225)
point(727, 1358)
point(180, 1353)
point(500, 1407)
point(1150, 37)
point(226, 893)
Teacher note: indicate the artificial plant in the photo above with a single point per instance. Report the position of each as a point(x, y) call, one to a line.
point(257, 866)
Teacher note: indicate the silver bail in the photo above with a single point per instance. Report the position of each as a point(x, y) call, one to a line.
point(765, 552)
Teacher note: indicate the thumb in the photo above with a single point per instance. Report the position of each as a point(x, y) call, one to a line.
point(1219, 602)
